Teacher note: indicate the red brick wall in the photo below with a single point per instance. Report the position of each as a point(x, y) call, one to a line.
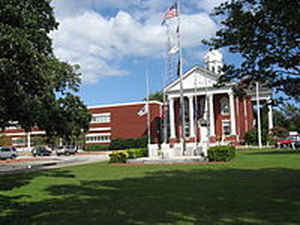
point(125, 123)
point(218, 116)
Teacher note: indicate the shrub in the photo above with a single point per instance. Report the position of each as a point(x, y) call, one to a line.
point(118, 157)
point(123, 155)
point(93, 148)
point(221, 153)
point(251, 137)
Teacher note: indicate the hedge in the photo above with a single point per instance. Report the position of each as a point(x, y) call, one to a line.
point(93, 148)
point(119, 144)
point(123, 155)
point(221, 153)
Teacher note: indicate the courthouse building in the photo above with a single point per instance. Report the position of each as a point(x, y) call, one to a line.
point(212, 114)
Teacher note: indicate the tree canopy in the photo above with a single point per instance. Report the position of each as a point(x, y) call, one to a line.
point(37, 89)
point(156, 96)
point(266, 33)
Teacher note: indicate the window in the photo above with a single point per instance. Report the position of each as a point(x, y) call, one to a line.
point(213, 69)
point(101, 118)
point(19, 141)
point(98, 138)
point(224, 105)
point(226, 127)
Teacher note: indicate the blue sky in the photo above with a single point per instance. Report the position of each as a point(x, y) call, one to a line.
point(114, 41)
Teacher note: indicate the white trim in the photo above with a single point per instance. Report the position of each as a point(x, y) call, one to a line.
point(98, 134)
point(24, 134)
point(123, 104)
point(101, 118)
point(206, 72)
point(260, 98)
point(223, 133)
point(101, 114)
point(96, 138)
point(204, 92)
point(99, 128)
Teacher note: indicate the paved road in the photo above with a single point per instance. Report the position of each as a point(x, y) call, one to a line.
point(28, 163)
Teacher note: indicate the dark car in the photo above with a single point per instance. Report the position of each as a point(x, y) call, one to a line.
point(40, 151)
point(297, 144)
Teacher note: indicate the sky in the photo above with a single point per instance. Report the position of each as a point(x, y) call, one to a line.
point(116, 41)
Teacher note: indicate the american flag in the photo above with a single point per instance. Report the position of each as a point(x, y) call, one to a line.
point(172, 12)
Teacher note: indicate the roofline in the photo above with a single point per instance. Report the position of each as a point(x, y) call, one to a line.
point(189, 72)
point(124, 104)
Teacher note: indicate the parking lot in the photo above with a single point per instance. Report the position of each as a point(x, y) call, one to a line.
point(25, 163)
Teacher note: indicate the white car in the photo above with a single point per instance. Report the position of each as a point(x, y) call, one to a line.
point(7, 153)
point(66, 150)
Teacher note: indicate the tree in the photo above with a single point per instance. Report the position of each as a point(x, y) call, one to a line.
point(266, 33)
point(292, 117)
point(157, 96)
point(37, 89)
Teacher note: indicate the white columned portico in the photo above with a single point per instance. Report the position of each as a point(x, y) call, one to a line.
point(191, 115)
point(172, 118)
point(232, 114)
point(211, 115)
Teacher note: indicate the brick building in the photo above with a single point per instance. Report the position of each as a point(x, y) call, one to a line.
point(127, 120)
point(212, 114)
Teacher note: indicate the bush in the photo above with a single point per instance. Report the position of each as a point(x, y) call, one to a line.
point(221, 153)
point(118, 157)
point(251, 137)
point(119, 144)
point(123, 155)
point(94, 148)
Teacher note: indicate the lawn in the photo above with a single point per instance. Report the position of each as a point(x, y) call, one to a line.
point(258, 187)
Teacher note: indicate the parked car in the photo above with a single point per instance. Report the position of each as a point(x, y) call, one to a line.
point(297, 144)
point(8, 152)
point(66, 150)
point(40, 151)
point(288, 141)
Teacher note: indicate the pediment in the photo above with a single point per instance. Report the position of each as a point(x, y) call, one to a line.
point(197, 77)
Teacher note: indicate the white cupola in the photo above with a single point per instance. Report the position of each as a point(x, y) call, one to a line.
point(214, 61)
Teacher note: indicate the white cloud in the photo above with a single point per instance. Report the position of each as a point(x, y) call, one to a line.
point(99, 44)
point(209, 5)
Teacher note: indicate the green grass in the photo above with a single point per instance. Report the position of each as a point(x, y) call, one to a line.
point(258, 187)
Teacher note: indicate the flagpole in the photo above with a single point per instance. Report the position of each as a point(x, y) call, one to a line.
point(182, 138)
point(148, 108)
point(258, 115)
point(164, 105)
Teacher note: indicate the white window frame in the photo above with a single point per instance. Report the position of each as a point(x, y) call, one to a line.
point(224, 100)
point(226, 122)
point(98, 138)
point(101, 118)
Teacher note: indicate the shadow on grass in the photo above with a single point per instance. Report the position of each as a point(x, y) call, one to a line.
point(9, 182)
point(198, 196)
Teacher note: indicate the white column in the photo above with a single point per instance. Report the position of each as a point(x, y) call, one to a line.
point(191, 115)
point(232, 114)
point(270, 117)
point(246, 115)
point(211, 115)
point(28, 141)
point(172, 118)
